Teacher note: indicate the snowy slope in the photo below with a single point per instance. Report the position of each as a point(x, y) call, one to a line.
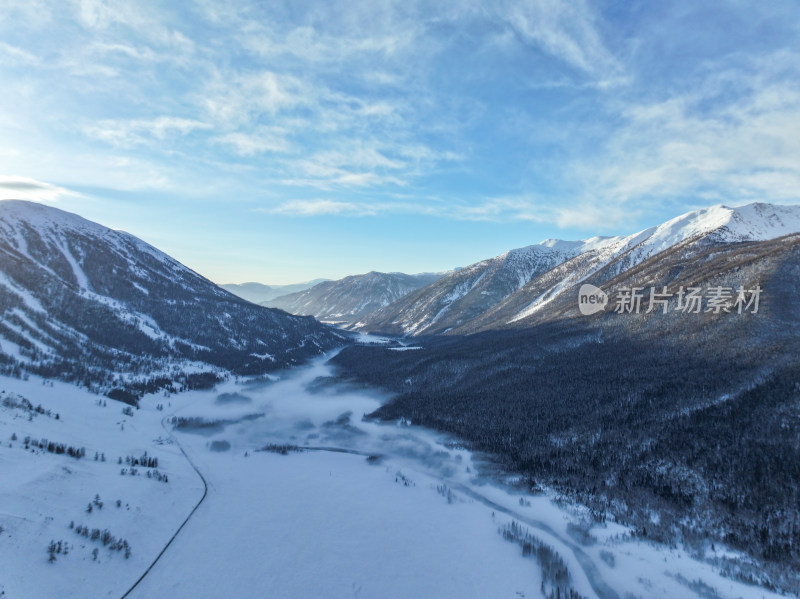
point(42, 492)
point(419, 521)
point(83, 302)
point(721, 224)
point(753, 222)
point(467, 292)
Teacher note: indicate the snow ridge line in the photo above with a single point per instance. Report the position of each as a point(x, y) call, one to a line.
point(194, 509)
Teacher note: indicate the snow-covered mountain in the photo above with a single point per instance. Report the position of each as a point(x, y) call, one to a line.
point(514, 286)
point(699, 230)
point(82, 302)
point(347, 300)
point(259, 293)
point(717, 224)
point(466, 293)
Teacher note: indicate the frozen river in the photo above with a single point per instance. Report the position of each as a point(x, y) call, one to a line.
point(376, 510)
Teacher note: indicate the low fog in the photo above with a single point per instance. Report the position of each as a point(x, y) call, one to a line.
point(304, 407)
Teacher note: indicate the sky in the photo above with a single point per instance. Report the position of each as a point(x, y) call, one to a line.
point(284, 141)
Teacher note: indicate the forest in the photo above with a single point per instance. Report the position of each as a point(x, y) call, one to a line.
point(675, 440)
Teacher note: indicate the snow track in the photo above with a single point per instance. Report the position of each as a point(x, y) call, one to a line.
point(180, 528)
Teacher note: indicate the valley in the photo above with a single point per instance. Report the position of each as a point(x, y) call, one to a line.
point(399, 299)
point(161, 433)
point(334, 507)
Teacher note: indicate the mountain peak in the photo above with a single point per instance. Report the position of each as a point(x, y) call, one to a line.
point(44, 216)
point(751, 222)
point(524, 280)
point(761, 221)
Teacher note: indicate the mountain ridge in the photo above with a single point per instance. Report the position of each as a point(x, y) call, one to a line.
point(569, 263)
point(82, 302)
point(346, 300)
point(259, 292)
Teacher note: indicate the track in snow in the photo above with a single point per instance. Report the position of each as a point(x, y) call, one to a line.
point(194, 509)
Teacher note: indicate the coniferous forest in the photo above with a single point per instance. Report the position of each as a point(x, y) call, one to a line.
point(681, 445)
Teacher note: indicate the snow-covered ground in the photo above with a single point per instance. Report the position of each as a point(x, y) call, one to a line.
point(41, 493)
point(371, 510)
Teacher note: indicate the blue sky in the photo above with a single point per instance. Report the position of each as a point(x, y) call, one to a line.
point(280, 142)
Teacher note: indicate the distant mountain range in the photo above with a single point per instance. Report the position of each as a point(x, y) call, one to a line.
point(258, 292)
point(82, 302)
point(540, 282)
point(522, 286)
point(346, 301)
point(744, 247)
point(466, 293)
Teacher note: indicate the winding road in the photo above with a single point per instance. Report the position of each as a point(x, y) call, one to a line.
point(194, 509)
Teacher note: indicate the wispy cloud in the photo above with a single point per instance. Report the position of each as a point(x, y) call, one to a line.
point(139, 52)
point(497, 209)
point(331, 207)
point(240, 98)
point(744, 146)
point(596, 217)
point(15, 55)
point(322, 207)
point(144, 21)
point(550, 112)
point(135, 132)
point(566, 29)
point(263, 140)
point(313, 89)
point(357, 39)
point(24, 188)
